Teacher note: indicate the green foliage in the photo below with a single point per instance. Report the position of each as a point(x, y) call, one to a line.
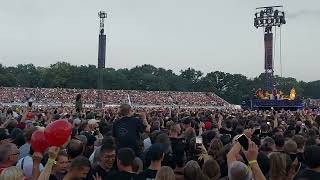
point(232, 87)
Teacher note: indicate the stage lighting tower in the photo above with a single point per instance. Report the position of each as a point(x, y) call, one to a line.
point(101, 58)
point(269, 18)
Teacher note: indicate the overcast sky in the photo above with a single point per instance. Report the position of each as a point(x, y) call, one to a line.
point(207, 35)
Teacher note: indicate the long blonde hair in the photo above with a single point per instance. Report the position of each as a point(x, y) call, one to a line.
point(11, 173)
point(165, 173)
point(278, 165)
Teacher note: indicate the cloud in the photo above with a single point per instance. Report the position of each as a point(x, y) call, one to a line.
point(305, 12)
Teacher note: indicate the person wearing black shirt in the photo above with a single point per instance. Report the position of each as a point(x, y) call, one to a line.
point(106, 158)
point(155, 154)
point(312, 159)
point(227, 129)
point(126, 130)
point(125, 158)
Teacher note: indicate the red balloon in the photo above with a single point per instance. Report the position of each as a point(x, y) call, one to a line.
point(58, 132)
point(38, 141)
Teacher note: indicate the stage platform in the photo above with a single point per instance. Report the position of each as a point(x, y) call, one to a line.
point(262, 104)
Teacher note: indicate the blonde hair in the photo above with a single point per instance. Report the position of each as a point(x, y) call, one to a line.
point(165, 173)
point(211, 169)
point(11, 173)
point(193, 171)
point(278, 165)
point(215, 148)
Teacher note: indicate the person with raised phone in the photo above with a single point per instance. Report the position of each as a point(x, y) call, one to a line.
point(237, 169)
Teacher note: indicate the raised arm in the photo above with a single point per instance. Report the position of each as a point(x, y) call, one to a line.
point(53, 153)
point(251, 156)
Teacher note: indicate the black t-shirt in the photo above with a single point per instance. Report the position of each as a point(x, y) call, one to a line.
point(127, 132)
point(126, 176)
point(224, 131)
point(300, 157)
point(101, 172)
point(56, 177)
point(307, 174)
point(52, 177)
point(265, 134)
point(149, 174)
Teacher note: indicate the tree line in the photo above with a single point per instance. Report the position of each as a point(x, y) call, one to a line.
point(232, 87)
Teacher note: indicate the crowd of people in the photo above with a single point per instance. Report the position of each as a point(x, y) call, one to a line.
point(125, 143)
point(313, 103)
point(110, 97)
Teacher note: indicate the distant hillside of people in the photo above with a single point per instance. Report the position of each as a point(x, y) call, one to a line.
point(109, 97)
point(234, 88)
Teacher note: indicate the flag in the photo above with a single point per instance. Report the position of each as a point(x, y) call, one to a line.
point(129, 100)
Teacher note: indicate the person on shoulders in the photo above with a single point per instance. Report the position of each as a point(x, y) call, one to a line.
point(127, 129)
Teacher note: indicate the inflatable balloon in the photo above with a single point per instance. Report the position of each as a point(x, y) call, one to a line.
point(38, 141)
point(58, 132)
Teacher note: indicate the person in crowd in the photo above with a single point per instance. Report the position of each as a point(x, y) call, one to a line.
point(127, 129)
point(137, 165)
point(279, 142)
point(60, 168)
point(79, 168)
point(215, 148)
point(300, 140)
point(267, 146)
point(278, 166)
point(25, 149)
point(240, 171)
point(227, 128)
point(12, 173)
point(193, 171)
point(181, 160)
point(155, 154)
point(75, 148)
point(105, 164)
point(9, 154)
point(165, 173)
point(125, 158)
point(211, 169)
point(26, 165)
point(312, 160)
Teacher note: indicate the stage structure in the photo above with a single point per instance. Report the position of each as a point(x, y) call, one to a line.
point(101, 58)
point(269, 18)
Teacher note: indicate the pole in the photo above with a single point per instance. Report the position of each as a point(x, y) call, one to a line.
point(101, 59)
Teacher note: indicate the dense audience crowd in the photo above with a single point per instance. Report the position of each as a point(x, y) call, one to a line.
point(111, 97)
point(122, 143)
point(313, 103)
